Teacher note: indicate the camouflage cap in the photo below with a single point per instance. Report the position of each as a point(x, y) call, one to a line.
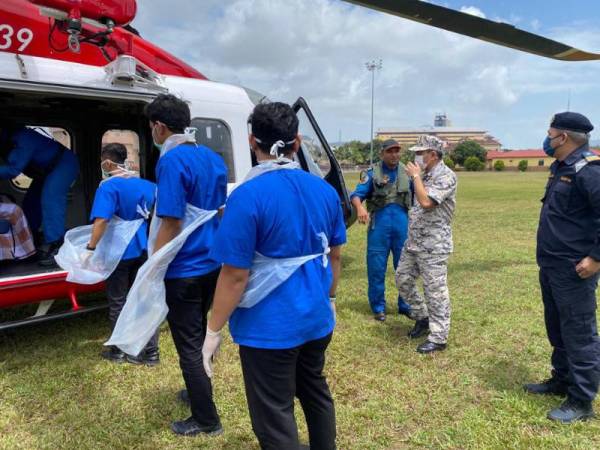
point(427, 142)
point(389, 143)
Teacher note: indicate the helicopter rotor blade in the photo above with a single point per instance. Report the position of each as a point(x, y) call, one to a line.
point(487, 30)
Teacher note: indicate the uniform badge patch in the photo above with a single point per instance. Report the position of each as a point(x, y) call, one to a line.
point(566, 179)
point(364, 176)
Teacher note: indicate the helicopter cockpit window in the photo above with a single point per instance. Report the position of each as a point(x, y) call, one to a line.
point(317, 158)
point(22, 181)
point(215, 134)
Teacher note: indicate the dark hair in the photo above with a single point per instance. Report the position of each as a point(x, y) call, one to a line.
point(116, 152)
point(170, 110)
point(272, 122)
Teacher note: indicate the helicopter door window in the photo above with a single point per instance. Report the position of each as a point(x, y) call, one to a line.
point(316, 157)
point(129, 139)
point(22, 181)
point(215, 134)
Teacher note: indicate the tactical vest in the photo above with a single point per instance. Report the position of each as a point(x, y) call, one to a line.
point(386, 192)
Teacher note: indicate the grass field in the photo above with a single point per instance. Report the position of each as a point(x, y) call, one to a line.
point(55, 391)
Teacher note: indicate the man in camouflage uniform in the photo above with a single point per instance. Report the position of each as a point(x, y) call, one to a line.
point(385, 187)
point(429, 244)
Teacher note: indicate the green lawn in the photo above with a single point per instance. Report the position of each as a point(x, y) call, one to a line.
point(55, 391)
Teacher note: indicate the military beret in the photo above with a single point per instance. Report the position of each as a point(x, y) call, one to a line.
point(390, 143)
point(571, 121)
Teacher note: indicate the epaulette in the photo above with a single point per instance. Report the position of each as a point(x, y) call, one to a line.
point(592, 158)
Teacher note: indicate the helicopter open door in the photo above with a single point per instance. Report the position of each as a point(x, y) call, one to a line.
point(316, 157)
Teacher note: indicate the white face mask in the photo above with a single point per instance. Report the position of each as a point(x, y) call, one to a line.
point(419, 161)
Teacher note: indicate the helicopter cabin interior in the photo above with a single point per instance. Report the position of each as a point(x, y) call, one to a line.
point(82, 124)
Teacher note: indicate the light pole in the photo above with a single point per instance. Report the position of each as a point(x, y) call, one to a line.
point(372, 66)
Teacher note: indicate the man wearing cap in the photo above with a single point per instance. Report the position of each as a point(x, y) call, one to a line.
point(429, 244)
point(568, 254)
point(386, 189)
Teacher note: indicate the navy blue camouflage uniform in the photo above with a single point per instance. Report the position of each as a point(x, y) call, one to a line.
point(569, 231)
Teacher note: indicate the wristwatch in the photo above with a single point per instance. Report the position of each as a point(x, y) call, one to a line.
point(87, 247)
point(332, 299)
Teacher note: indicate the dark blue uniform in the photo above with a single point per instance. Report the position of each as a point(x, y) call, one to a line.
point(53, 168)
point(569, 230)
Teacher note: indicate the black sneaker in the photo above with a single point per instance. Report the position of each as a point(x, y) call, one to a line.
point(150, 359)
point(113, 354)
point(380, 317)
point(421, 328)
point(572, 410)
point(551, 386)
point(189, 427)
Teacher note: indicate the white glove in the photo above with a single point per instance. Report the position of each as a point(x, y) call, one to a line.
point(210, 349)
point(85, 256)
point(332, 304)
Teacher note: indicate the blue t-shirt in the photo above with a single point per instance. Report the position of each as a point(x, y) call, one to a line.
point(120, 197)
point(29, 147)
point(279, 214)
point(198, 176)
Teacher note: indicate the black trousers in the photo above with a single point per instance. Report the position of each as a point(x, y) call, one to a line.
point(570, 316)
point(117, 288)
point(189, 300)
point(273, 378)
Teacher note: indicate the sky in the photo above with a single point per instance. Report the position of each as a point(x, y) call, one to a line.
point(317, 49)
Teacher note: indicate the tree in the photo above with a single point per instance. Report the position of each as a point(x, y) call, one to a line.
point(523, 165)
point(467, 149)
point(473, 164)
point(499, 165)
point(449, 162)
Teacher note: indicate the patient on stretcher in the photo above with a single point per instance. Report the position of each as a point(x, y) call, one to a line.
point(16, 241)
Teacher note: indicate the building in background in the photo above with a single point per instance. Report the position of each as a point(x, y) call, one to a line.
point(441, 120)
point(536, 159)
point(407, 136)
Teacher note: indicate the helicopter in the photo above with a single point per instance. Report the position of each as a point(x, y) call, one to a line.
point(79, 69)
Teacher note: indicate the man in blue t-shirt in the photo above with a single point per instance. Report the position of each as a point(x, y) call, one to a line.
point(283, 338)
point(125, 195)
point(188, 174)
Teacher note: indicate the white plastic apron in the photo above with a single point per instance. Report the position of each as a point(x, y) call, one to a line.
point(105, 258)
point(267, 274)
point(146, 307)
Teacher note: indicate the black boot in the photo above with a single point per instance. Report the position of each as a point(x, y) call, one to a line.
point(430, 347)
point(551, 386)
point(572, 410)
point(189, 427)
point(113, 354)
point(48, 252)
point(421, 328)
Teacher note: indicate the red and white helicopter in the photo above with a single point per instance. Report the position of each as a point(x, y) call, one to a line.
point(78, 66)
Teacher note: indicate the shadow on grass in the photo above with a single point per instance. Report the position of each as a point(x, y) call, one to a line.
point(484, 265)
point(504, 374)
